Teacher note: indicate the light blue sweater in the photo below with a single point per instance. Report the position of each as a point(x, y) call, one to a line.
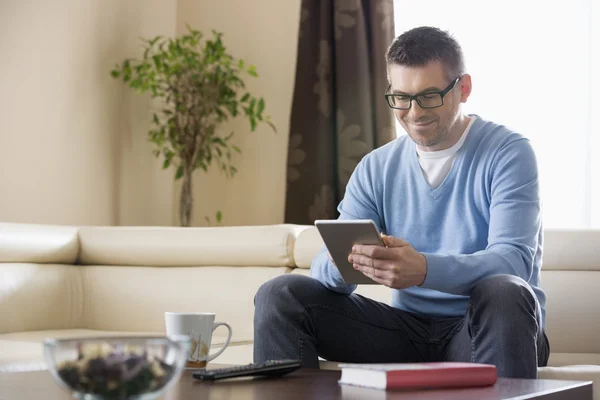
point(484, 219)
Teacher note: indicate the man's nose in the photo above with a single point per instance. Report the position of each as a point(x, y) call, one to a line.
point(416, 111)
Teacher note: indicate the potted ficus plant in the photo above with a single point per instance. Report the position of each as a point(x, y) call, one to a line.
point(199, 86)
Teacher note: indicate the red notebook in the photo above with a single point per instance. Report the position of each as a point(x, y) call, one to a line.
point(418, 375)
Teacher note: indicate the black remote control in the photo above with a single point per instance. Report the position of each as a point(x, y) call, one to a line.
point(273, 368)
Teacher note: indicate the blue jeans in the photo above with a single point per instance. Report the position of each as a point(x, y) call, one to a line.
point(296, 317)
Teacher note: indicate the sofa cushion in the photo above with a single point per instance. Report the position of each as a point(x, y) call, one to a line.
point(136, 298)
point(23, 351)
point(238, 353)
point(561, 359)
point(40, 296)
point(39, 336)
point(574, 373)
point(571, 325)
point(31, 243)
point(571, 250)
point(172, 246)
point(21, 356)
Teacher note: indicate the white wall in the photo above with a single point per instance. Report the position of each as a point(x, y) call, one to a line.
point(263, 33)
point(145, 189)
point(74, 141)
point(71, 137)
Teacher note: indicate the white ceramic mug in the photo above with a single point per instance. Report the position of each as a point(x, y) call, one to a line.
point(199, 327)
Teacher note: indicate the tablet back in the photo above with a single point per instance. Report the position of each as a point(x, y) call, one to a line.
point(339, 237)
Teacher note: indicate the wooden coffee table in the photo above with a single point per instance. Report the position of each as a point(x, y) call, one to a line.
point(302, 384)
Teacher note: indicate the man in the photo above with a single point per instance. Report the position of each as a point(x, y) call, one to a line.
point(458, 200)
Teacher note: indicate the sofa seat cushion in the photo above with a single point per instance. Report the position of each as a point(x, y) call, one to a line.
point(39, 336)
point(562, 359)
point(574, 373)
point(23, 351)
point(235, 354)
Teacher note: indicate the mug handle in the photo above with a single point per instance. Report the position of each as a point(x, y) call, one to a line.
point(215, 326)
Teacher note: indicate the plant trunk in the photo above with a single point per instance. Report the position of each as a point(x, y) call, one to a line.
point(186, 201)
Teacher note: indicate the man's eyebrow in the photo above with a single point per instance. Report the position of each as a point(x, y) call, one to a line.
point(429, 89)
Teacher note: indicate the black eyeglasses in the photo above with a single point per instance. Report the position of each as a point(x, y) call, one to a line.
point(425, 100)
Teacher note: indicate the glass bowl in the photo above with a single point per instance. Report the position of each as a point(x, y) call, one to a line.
point(141, 368)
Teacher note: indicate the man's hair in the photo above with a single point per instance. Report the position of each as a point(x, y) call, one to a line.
point(419, 46)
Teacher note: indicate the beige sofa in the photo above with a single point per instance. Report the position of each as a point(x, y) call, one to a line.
point(60, 281)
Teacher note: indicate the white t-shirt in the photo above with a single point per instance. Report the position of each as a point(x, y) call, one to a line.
point(437, 164)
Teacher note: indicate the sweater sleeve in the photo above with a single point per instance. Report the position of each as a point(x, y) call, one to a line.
point(514, 226)
point(358, 203)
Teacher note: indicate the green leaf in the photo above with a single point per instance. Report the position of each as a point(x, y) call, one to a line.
point(219, 216)
point(179, 172)
point(156, 39)
point(252, 71)
point(241, 64)
point(236, 149)
point(157, 62)
point(166, 163)
point(114, 73)
point(245, 97)
point(155, 119)
point(261, 106)
point(252, 124)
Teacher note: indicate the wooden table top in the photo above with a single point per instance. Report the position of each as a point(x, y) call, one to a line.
point(302, 384)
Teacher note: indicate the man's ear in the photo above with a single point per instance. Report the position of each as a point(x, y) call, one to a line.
point(465, 87)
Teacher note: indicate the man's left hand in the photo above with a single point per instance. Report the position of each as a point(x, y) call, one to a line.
point(397, 266)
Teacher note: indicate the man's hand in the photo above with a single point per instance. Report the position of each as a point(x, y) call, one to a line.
point(397, 266)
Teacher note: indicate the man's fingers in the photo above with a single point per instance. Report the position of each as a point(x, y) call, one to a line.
point(369, 262)
point(392, 241)
point(377, 275)
point(380, 252)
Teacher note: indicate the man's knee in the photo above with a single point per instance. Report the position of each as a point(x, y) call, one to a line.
point(283, 289)
point(503, 293)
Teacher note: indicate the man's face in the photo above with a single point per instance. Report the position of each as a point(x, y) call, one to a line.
point(429, 128)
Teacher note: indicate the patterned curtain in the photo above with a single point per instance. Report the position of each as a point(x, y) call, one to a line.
point(339, 113)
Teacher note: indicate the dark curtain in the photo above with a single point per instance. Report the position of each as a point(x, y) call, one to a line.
point(339, 113)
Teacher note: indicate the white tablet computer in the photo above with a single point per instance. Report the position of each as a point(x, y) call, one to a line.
point(339, 237)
